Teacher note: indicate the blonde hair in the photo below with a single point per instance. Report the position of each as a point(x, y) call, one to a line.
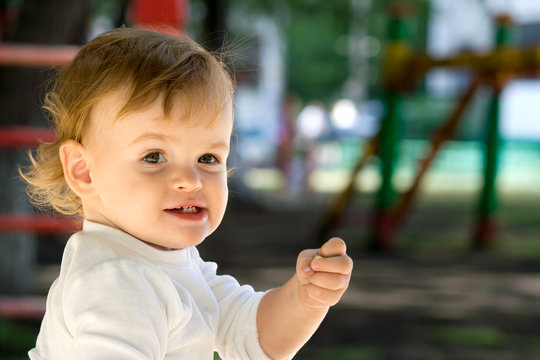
point(150, 64)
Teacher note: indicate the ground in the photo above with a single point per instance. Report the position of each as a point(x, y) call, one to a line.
point(430, 298)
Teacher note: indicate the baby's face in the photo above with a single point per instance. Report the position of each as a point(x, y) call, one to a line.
point(164, 182)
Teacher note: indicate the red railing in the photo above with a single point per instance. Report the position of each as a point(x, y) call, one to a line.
point(30, 55)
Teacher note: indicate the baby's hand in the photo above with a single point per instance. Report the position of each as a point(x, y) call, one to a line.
point(323, 274)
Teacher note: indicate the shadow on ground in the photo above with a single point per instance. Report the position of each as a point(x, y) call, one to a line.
point(431, 298)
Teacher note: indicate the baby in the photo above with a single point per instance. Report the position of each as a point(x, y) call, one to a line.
point(144, 122)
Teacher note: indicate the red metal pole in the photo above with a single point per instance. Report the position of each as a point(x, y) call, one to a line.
point(24, 136)
point(31, 308)
point(27, 55)
point(39, 224)
point(168, 16)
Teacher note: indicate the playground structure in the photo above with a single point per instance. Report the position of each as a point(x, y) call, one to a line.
point(13, 137)
point(402, 68)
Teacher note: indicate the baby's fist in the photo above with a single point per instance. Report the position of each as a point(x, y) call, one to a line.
point(324, 274)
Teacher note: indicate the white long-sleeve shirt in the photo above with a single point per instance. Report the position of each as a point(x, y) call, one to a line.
point(119, 298)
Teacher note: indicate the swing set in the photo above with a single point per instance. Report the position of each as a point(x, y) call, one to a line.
point(401, 69)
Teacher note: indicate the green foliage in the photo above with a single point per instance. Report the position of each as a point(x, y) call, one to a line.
point(16, 338)
point(472, 336)
point(484, 337)
point(316, 69)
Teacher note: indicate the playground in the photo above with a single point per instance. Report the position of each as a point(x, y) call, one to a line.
point(443, 226)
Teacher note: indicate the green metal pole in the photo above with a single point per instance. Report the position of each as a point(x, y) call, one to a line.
point(485, 230)
point(488, 199)
point(389, 142)
point(389, 135)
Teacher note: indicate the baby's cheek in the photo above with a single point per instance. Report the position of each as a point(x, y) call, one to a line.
point(217, 203)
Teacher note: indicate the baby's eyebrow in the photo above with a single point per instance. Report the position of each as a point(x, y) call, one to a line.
point(151, 136)
point(220, 145)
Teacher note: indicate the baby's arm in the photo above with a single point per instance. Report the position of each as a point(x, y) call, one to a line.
point(289, 315)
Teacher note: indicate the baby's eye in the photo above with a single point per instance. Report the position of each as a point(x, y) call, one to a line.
point(154, 158)
point(208, 159)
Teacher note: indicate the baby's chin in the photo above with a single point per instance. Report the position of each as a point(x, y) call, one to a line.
point(177, 242)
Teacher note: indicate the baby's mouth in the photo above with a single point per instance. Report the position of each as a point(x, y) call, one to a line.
point(190, 211)
point(186, 209)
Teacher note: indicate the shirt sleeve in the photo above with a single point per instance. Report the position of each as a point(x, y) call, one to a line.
point(237, 337)
point(126, 318)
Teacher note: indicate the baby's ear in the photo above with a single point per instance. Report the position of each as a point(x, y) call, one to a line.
point(76, 169)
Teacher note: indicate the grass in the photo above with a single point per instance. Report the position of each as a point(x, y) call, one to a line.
point(341, 353)
point(471, 336)
point(346, 353)
point(16, 338)
point(445, 223)
point(484, 337)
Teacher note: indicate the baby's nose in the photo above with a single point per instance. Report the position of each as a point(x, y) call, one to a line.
point(187, 178)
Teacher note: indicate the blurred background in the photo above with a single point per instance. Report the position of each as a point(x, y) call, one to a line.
point(409, 128)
